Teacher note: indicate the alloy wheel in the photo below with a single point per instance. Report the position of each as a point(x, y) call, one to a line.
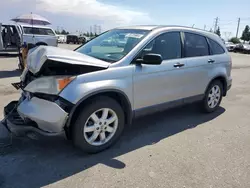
point(100, 127)
point(214, 96)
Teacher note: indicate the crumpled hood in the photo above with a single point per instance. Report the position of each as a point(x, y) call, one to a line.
point(39, 55)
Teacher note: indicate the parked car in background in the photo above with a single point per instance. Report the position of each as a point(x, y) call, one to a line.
point(73, 38)
point(39, 35)
point(82, 39)
point(76, 39)
point(246, 48)
point(242, 48)
point(94, 92)
point(61, 38)
point(14, 35)
point(230, 46)
point(238, 48)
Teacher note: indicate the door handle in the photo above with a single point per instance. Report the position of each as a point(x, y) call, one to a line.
point(178, 65)
point(211, 61)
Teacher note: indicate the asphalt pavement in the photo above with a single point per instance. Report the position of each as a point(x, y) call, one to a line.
point(180, 148)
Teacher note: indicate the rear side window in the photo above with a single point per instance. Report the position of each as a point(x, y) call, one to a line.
point(195, 45)
point(215, 48)
point(38, 31)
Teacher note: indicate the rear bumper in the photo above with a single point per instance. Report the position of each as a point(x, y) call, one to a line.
point(37, 115)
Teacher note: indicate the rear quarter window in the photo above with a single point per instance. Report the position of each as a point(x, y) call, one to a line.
point(38, 31)
point(215, 47)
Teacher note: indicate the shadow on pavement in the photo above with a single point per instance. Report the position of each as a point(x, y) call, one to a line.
point(8, 74)
point(40, 163)
point(6, 55)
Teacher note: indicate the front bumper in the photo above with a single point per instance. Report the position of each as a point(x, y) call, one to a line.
point(37, 115)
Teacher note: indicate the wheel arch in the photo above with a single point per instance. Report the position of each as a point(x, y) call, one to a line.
point(41, 43)
point(223, 80)
point(117, 95)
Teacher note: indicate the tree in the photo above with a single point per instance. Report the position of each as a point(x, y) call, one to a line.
point(91, 34)
point(86, 34)
point(211, 30)
point(95, 35)
point(218, 31)
point(234, 40)
point(63, 32)
point(246, 34)
point(57, 32)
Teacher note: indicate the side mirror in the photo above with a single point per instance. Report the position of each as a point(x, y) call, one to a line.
point(151, 59)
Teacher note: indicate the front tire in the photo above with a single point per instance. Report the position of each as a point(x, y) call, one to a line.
point(213, 97)
point(99, 125)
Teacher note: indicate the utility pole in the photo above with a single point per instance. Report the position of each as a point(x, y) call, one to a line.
point(238, 28)
point(216, 24)
point(204, 27)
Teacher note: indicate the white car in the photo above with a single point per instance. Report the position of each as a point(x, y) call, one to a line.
point(61, 38)
point(14, 35)
point(230, 46)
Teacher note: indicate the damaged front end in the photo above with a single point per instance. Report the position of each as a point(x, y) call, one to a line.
point(40, 109)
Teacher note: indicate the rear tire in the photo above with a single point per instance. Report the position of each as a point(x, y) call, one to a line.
point(95, 130)
point(213, 97)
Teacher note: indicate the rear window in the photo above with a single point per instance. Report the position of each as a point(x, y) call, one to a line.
point(215, 48)
point(195, 45)
point(38, 31)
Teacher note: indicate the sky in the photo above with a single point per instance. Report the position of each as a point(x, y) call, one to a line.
point(79, 15)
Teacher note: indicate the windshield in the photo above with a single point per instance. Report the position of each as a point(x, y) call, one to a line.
point(113, 45)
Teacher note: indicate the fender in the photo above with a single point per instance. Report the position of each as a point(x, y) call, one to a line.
point(224, 83)
point(129, 111)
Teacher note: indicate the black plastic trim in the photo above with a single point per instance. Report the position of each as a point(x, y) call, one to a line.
point(167, 105)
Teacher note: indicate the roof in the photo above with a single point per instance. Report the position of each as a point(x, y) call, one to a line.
point(153, 27)
point(156, 27)
point(142, 27)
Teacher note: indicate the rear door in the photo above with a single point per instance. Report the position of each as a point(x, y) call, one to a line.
point(197, 55)
point(220, 59)
point(158, 84)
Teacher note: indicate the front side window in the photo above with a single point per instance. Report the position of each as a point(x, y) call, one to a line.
point(168, 45)
point(215, 47)
point(195, 45)
point(113, 45)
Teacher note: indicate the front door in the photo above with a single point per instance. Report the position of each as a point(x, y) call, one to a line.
point(159, 84)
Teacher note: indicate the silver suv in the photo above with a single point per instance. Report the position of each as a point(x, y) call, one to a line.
point(94, 92)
